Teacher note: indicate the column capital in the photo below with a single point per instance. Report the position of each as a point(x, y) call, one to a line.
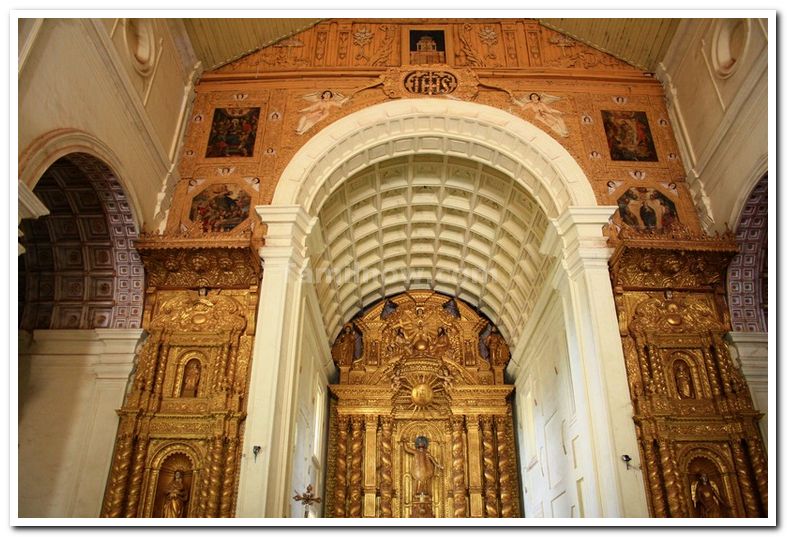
point(29, 204)
point(576, 237)
point(289, 227)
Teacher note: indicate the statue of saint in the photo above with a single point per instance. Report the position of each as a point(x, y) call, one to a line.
point(706, 498)
point(423, 467)
point(344, 348)
point(442, 344)
point(683, 381)
point(191, 379)
point(498, 350)
point(175, 497)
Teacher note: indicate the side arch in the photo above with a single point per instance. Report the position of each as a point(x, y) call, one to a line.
point(47, 149)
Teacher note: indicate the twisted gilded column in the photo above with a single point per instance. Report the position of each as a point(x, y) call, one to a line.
point(216, 465)
point(760, 468)
point(386, 467)
point(113, 507)
point(677, 507)
point(458, 466)
point(742, 471)
point(490, 473)
point(228, 484)
point(506, 470)
point(340, 501)
point(137, 473)
point(356, 453)
point(654, 479)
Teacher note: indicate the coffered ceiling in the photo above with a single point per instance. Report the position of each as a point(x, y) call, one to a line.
point(431, 222)
point(641, 42)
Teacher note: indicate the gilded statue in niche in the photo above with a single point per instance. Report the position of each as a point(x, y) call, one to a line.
point(706, 498)
point(191, 377)
point(175, 497)
point(344, 349)
point(498, 350)
point(423, 468)
point(683, 381)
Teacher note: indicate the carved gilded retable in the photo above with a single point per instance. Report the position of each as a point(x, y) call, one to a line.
point(701, 449)
point(421, 365)
point(186, 403)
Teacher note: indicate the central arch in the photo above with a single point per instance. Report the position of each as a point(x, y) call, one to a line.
point(477, 132)
point(291, 353)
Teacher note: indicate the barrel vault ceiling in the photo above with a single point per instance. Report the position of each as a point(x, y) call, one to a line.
point(640, 42)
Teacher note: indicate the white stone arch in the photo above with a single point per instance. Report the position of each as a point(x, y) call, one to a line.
point(48, 148)
point(469, 130)
point(507, 144)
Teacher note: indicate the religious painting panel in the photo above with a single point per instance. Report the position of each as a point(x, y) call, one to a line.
point(233, 132)
point(220, 207)
point(629, 136)
point(647, 210)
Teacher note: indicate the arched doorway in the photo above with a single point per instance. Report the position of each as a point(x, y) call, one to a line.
point(560, 265)
point(80, 312)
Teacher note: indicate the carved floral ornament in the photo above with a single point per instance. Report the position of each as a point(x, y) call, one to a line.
point(200, 263)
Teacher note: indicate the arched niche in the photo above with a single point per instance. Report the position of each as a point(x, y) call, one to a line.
point(169, 459)
point(747, 276)
point(81, 269)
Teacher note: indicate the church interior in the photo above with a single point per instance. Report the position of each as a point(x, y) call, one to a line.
point(393, 268)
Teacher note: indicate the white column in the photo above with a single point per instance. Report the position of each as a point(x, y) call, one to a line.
point(751, 351)
point(604, 407)
point(264, 489)
point(29, 207)
point(72, 383)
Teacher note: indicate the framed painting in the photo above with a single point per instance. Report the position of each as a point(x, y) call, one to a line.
point(647, 209)
point(220, 207)
point(233, 132)
point(629, 136)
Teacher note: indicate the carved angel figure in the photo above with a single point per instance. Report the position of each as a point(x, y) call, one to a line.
point(319, 110)
point(706, 498)
point(539, 104)
point(498, 350)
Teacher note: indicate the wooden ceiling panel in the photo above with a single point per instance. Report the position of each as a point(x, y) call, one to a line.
point(640, 42)
point(217, 42)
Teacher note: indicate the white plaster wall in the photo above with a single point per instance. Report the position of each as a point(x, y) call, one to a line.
point(70, 384)
point(548, 438)
point(750, 350)
point(308, 450)
point(76, 75)
point(721, 123)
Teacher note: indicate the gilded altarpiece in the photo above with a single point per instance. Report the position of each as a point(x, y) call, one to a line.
point(179, 438)
point(421, 422)
point(701, 450)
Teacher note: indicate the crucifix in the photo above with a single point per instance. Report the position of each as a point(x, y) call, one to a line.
point(307, 498)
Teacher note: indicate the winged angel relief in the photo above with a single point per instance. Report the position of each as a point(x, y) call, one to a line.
point(539, 104)
point(322, 102)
